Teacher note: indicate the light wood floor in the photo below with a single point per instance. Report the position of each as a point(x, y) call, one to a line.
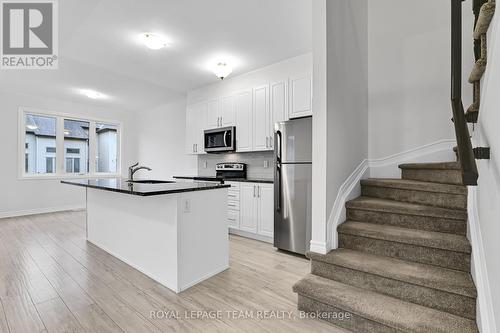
point(52, 280)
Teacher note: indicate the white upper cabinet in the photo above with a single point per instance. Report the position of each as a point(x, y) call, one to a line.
point(300, 96)
point(190, 136)
point(228, 113)
point(195, 124)
point(253, 110)
point(213, 114)
point(243, 107)
point(279, 107)
point(201, 114)
point(261, 118)
point(221, 112)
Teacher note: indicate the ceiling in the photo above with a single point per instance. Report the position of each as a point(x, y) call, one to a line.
point(99, 48)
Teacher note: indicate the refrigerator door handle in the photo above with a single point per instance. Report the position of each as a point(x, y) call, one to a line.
point(278, 146)
point(278, 176)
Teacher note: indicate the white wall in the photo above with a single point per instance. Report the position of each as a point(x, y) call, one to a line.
point(409, 73)
point(487, 134)
point(278, 71)
point(160, 137)
point(25, 196)
point(346, 109)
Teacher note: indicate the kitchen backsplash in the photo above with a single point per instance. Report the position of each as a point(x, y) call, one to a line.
point(255, 162)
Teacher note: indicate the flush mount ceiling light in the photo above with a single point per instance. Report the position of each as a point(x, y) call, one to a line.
point(153, 41)
point(92, 94)
point(222, 70)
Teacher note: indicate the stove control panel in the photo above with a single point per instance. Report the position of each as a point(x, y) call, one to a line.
point(230, 167)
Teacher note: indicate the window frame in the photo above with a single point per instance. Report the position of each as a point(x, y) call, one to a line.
point(60, 158)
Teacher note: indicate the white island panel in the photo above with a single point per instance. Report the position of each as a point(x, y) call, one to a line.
point(176, 239)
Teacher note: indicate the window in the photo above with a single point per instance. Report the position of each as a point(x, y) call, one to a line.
point(76, 144)
point(48, 138)
point(72, 165)
point(39, 135)
point(106, 148)
point(50, 164)
point(72, 151)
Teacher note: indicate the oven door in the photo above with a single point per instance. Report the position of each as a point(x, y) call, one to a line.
point(220, 140)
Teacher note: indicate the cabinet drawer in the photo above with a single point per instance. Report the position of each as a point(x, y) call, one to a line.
point(233, 195)
point(235, 186)
point(233, 219)
point(233, 205)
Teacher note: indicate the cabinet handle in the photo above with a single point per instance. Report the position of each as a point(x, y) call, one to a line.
point(193, 148)
point(271, 142)
point(267, 142)
point(254, 191)
point(221, 121)
point(258, 191)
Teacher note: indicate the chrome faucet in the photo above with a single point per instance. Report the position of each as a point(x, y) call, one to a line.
point(134, 168)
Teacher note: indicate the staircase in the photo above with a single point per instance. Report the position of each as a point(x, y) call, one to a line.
point(403, 263)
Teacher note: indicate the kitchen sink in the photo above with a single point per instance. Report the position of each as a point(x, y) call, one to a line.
point(146, 181)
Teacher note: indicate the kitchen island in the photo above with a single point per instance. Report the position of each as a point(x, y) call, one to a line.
point(174, 232)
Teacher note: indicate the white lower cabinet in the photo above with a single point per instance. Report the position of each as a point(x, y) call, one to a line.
point(256, 210)
point(248, 206)
point(265, 208)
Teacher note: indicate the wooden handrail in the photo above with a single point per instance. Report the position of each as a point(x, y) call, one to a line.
point(464, 145)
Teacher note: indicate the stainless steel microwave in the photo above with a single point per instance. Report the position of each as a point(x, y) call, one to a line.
point(220, 140)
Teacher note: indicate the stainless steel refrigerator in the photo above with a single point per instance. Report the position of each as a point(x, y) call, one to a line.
point(292, 185)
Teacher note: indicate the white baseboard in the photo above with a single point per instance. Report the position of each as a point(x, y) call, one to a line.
point(349, 190)
point(386, 167)
point(319, 247)
point(35, 211)
point(485, 314)
point(251, 235)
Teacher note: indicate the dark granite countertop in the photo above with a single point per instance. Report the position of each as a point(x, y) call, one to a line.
point(216, 179)
point(122, 186)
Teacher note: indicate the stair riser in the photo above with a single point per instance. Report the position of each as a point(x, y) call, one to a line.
point(444, 200)
point(436, 176)
point(425, 255)
point(427, 223)
point(440, 300)
point(356, 323)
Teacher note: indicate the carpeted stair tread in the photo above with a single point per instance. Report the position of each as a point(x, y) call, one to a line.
point(392, 312)
point(437, 240)
point(429, 276)
point(431, 166)
point(399, 207)
point(415, 185)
